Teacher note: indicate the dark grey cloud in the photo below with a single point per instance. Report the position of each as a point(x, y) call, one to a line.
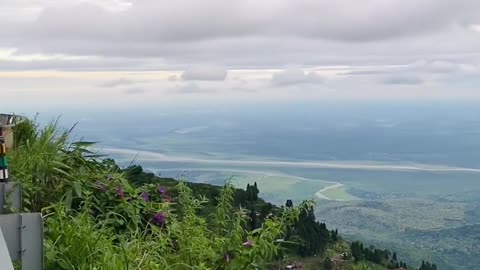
point(160, 34)
point(161, 20)
point(156, 26)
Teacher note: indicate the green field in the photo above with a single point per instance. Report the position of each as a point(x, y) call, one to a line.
point(276, 188)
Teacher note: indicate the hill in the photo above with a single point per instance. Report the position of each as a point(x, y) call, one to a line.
point(100, 216)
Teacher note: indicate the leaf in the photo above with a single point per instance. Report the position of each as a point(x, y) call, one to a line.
point(78, 188)
point(68, 200)
point(126, 184)
point(83, 143)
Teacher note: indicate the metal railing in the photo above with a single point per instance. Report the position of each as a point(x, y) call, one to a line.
point(21, 234)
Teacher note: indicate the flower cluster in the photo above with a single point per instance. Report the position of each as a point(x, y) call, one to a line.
point(159, 218)
point(162, 190)
point(145, 196)
point(120, 192)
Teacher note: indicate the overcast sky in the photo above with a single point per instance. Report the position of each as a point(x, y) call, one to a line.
point(118, 52)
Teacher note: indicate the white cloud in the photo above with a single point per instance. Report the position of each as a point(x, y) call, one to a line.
point(117, 82)
point(403, 79)
point(475, 27)
point(295, 76)
point(13, 56)
point(190, 88)
point(135, 91)
point(204, 73)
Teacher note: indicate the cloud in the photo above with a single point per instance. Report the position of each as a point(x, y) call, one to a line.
point(442, 66)
point(117, 82)
point(418, 72)
point(187, 20)
point(295, 76)
point(204, 73)
point(135, 91)
point(190, 88)
point(380, 41)
point(403, 79)
point(153, 26)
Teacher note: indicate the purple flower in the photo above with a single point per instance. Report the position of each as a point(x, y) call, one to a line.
point(162, 190)
point(248, 244)
point(101, 186)
point(145, 197)
point(159, 218)
point(120, 192)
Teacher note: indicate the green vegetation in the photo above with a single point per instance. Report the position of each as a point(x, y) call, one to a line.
point(416, 229)
point(381, 257)
point(99, 216)
point(428, 266)
point(274, 187)
point(96, 219)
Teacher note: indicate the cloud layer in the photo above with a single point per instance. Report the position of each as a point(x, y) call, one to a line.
point(245, 48)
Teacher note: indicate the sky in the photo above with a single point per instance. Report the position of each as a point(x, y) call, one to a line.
point(130, 52)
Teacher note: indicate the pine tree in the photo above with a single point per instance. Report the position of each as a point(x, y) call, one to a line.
point(357, 251)
point(334, 236)
point(289, 203)
point(394, 257)
point(255, 192)
point(387, 254)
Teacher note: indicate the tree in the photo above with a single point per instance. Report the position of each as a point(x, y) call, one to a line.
point(289, 203)
point(426, 265)
point(387, 254)
point(357, 251)
point(315, 235)
point(394, 257)
point(334, 236)
point(255, 191)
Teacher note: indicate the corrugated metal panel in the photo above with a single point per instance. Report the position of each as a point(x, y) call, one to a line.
point(32, 241)
point(5, 261)
point(10, 225)
point(10, 196)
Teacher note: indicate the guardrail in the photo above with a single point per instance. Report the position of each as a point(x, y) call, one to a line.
point(21, 234)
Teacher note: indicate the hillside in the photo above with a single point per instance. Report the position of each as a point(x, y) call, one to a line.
point(417, 229)
point(333, 249)
point(100, 216)
point(463, 245)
